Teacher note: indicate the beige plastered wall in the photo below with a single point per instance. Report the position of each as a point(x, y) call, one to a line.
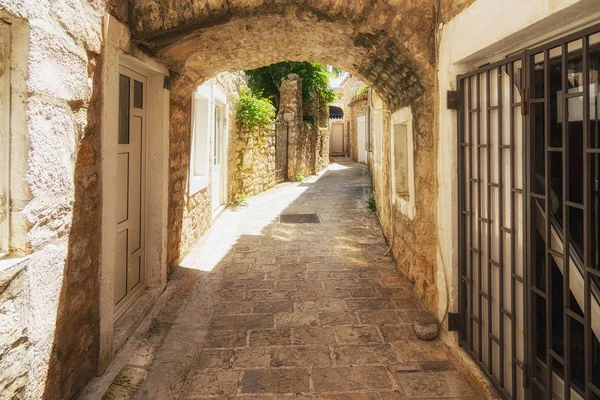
point(494, 30)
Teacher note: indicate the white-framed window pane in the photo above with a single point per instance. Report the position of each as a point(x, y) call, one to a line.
point(199, 156)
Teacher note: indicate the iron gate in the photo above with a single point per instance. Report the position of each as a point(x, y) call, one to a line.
point(491, 221)
point(563, 217)
point(529, 226)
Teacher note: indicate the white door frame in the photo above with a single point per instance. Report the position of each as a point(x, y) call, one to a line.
point(220, 99)
point(157, 167)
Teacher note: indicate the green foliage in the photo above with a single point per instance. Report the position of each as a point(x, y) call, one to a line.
point(300, 177)
point(336, 72)
point(364, 89)
point(240, 200)
point(372, 204)
point(241, 197)
point(266, 81)
point(308, 126)
point(253, 110)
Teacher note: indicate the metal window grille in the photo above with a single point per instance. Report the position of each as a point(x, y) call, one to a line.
point(529, 226)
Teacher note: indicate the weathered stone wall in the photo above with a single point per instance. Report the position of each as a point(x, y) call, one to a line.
point(14, 332)
point(323, 142)
point(290, 110)
point(316, 116)
point(197, 216)
point(414, 241)
point(179, 167)
point(251, 161)
point(308, 131)
point(324, 137)
point(304, 154)
point(350, 86)
point(57, 47)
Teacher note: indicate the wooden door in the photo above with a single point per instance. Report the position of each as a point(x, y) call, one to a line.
point(129, 265)
point(337, 139)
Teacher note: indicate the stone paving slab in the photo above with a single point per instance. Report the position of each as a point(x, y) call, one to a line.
point(265, 310)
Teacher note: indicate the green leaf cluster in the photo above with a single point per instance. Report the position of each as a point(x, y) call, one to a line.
point(364, 89)
point(372, 204)
point(315, 79)
point(253, 110)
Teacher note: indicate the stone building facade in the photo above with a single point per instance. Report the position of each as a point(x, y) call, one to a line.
point(59, 220)
point(304, 127)
point(316, 113)
point(356, 112)
point(356, 106)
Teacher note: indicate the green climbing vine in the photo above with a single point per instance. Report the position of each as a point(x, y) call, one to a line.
point(254, 111)
point(266, 81)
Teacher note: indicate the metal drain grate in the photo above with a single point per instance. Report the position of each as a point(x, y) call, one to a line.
point(299, 219)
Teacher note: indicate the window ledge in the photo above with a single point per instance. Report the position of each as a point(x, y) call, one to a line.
point(197, 183)
point(406, 205)
point(9, 261)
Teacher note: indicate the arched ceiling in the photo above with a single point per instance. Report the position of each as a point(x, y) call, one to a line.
point(386, 43)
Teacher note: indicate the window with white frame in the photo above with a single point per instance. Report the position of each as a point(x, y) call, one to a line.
point(4, 138)
point(401, 149)
point(401, 159)
point(201, 122)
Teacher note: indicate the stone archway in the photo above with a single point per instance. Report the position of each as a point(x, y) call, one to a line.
point(387, 44)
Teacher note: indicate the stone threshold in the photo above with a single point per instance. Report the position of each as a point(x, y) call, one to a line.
point(129, 330)
point(131, 319)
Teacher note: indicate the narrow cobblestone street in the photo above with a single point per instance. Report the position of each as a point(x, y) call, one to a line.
point(265, 309)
